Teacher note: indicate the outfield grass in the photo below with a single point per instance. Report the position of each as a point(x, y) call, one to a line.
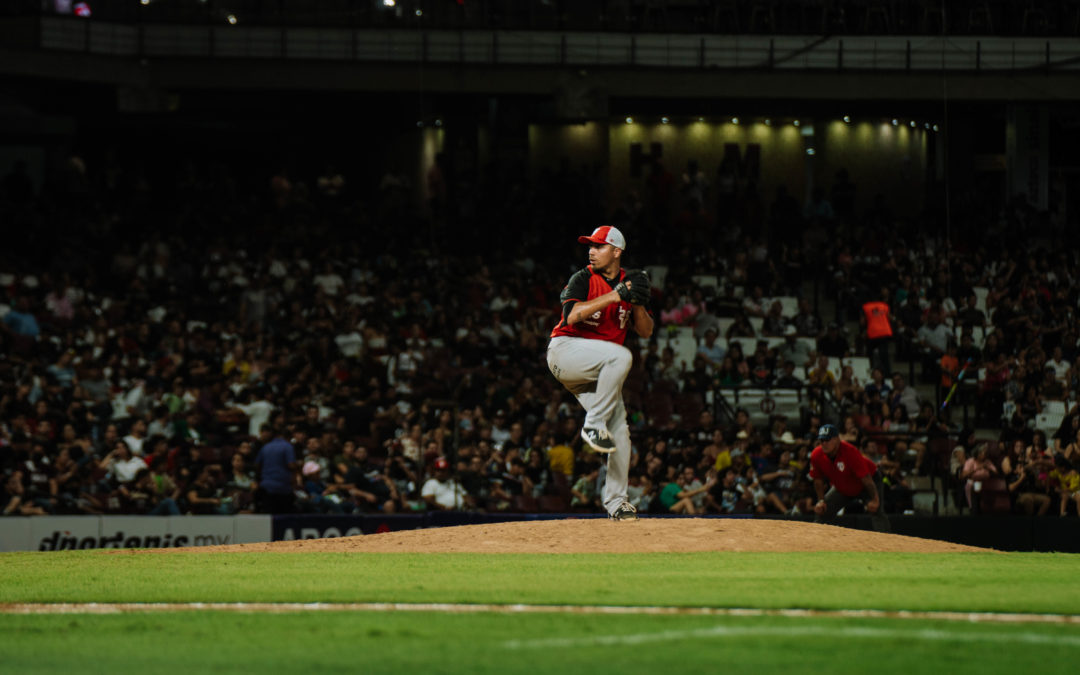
point(1018, 582)
point(409, 642)
point(406, 641)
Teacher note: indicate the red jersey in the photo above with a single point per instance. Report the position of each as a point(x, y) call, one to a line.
point(609, 323)
point(845, 472)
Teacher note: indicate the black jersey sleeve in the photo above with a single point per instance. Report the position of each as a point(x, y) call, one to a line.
point(576, 290)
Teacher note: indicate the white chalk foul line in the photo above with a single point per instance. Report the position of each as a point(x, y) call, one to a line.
point(463, 608)
point(794, 631)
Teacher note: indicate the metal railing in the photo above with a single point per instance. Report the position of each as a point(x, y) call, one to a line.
point(548, 48)
point(743, 17)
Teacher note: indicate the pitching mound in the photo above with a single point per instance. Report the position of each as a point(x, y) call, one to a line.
point(648, 535)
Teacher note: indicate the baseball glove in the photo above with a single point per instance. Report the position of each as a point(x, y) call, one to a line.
point(640, 288)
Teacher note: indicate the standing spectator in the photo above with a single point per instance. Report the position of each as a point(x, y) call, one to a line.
point(875, 321)
point(277, 469)
point(933, 338)
point(977, 468)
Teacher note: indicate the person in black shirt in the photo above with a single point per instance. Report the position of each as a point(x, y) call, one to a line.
point(833, 343)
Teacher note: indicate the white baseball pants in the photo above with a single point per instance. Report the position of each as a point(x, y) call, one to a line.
point(594, 372)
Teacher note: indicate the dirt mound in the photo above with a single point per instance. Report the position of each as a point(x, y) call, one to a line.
point(648, 535)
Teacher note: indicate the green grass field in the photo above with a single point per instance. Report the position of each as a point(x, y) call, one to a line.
point(402, 641)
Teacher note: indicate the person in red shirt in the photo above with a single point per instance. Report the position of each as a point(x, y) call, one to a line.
point(586, 354)
point(851, 475)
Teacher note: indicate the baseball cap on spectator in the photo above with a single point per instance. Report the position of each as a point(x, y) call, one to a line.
point(742, 434)
point(441, 463)
point(790, 330)
point(605, 234)
point(311, 467)
point(827, 432)
point(787, 438)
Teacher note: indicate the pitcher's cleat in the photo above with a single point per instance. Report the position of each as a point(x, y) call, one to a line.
point(626, 511)
point(599, 440)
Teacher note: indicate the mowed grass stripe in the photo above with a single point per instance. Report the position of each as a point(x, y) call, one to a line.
point(994, 582)
point(397, 642)
point(851, 632)
point(451, 608)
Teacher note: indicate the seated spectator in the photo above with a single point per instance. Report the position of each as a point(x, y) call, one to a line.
point(806, 322)
point(1028, 492)
point(442, 492)
point(847, 390)
point(1068, 479)
point(774, 323)
point(904, 395)
point(833, 343)
point(121, 464)
point(13, 498)
point(141, 496)
point(740, 328)
point(728, 374)
point(711, 351)
point(679, 495)
point(794, 349)
point(787, 377)
point(584, 493)
point(203, 496)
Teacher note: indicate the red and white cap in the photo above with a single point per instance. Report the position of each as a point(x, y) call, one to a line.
point(605, 234)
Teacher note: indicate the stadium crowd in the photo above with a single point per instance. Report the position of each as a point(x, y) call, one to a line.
point(168, 340)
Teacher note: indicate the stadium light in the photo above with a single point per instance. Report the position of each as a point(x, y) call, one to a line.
point(664, 120)
point(797, 123)
point(768, 122)
point(231, 19)
point(389, 3)
point(734, 120)
point(895, 122)
point(629, 120)
point(811, 152)
point(847, 119)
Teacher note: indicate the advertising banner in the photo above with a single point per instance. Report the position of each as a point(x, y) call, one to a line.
point(70, 533)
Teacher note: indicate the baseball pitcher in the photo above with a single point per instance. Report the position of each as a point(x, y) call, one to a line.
point(586, 353)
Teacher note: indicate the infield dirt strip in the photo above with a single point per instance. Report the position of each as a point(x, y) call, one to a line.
point(648, 535)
